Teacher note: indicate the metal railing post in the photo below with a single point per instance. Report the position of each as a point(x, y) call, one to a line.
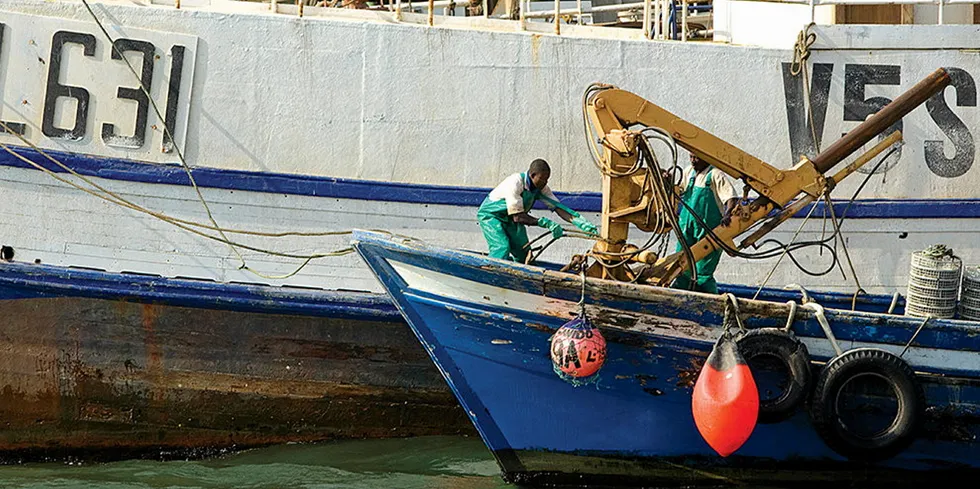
point(684, 20)
point(941, 12)
point(557, 17)
point(578, 8)
point(521, 12)
point(274, 6)
point(656, 19)
point(813, 11)
point(646, 19)
point(398, 10)
point(431, 11)
point(300, 4)
point(486, 13)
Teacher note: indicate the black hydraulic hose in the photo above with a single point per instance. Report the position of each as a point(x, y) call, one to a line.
point(780, 247)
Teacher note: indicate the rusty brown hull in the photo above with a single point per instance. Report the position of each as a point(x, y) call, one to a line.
point(116, 377)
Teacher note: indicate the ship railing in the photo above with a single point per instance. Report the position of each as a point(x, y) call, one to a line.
point(659, 16)
point(819, 3)
point(659, 19)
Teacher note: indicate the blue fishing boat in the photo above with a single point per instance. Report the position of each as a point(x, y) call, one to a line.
point(609, 375)
point(487, 325)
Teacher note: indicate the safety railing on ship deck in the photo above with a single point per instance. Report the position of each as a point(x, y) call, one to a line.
point(819, 3)
point(659, 19)
point(664, 12)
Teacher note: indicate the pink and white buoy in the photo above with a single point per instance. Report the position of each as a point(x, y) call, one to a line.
point(578, 349)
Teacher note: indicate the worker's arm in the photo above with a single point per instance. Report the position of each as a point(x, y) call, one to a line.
point(567, 213)
point(725, 191)
point(726, 218)
point(564, 214)
point(524, 218)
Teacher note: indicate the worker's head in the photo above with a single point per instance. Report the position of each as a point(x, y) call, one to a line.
point(698, 164)
point(539, 172)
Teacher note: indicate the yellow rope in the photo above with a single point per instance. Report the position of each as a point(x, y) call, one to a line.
point(114, 198)
point(180, 154)
point(801, 53)
point(126, 203)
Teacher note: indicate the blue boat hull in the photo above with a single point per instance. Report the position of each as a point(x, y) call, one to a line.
point(487, 325)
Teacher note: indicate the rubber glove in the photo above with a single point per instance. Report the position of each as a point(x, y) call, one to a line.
point(556, 230)
point(584, 224)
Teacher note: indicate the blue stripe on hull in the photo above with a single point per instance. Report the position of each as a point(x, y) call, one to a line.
point(19, 280)
point(873, 328)
point(315, 186)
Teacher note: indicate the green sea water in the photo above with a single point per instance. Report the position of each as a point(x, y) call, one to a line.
point(412, 463)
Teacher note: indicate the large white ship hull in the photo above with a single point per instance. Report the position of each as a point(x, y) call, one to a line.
point(340, 120)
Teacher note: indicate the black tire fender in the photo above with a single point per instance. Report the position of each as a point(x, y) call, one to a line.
point(904, 427)
point(793, 354)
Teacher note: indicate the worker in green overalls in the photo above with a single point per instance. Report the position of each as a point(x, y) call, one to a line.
point(706, 192)
point(504, 213)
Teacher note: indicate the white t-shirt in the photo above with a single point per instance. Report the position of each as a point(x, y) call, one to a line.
point(510, 191)
point(721, 186)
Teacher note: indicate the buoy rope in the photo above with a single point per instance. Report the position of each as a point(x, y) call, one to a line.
point(581, 301)
point(791, 317)
point(732, 310)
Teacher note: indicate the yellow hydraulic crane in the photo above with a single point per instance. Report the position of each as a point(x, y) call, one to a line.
point(616, 121)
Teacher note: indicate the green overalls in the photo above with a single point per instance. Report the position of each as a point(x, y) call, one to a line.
point(702, 201)
point(506, 238)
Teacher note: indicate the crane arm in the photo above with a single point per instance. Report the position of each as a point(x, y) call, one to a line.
point(614, 111)
point(628, 197)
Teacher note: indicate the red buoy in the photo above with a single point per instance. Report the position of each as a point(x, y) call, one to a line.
point(726, 400)
point(578, 348)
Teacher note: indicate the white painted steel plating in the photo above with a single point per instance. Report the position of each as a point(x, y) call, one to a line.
point(374, 129)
